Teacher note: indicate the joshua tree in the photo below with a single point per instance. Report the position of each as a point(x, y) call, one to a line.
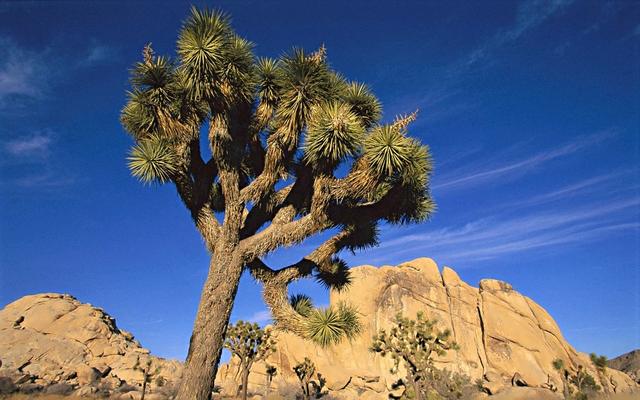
point(271, 371)
point(305, 372)
point(414, 343)
point(249, 343)
point(585, 384)
point(296, 150)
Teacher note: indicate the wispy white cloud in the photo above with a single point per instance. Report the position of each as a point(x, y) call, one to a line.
point(530, 14)
point(42, 181)
point(98, 53)
point(487, 171)
point(29, 73)
point(36, 146)
point(28, 164)
point(260, 317)
point(504, 234)
point(22, 72)
point(446, 97)
point(584, 186)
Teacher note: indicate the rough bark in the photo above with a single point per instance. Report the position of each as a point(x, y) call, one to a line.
point(245, 383)
point(210, 327)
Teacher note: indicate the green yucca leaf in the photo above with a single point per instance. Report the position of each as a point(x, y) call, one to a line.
point(389, 150)
point(363, 103)
point(201, 49)
point(302, 304)
point(153, 160)
point(335, 276)
point(155, 73)
point(338, 86)
point(304, 82)
point(327, 326)
point(138, 116)
point(349, 315)
point(334, 133)
point(237, 69)
point(266, 79)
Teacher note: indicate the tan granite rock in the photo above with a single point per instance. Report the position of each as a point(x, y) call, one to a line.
point(55, 339)
point(501, 334)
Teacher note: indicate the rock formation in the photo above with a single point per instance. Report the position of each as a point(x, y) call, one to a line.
point(54, 343)
point(628, 363)
point(505, 338)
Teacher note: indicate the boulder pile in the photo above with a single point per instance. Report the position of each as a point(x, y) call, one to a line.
point(55, 344)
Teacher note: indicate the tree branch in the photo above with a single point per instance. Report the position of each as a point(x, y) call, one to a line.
point(195, 194)
point(276, 282)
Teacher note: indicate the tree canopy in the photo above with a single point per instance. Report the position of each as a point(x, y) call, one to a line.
point(296, 149)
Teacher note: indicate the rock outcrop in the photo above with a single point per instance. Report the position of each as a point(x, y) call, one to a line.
point(54, 343)
point(628, 363)
point(505, 338)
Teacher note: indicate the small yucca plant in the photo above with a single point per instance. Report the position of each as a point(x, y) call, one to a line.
point(414, 343)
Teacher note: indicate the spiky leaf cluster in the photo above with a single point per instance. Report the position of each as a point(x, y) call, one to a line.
point(334, 275)
point(302, 304)
point(363, 103)
point(334, 133)
point(328, 325)
point(153, 160)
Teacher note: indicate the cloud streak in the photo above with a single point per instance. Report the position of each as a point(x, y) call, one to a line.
point(530, 14)
point(500, 235)
point(447, 97)
point(477, 174)
point(22, 72)
point(37, 145)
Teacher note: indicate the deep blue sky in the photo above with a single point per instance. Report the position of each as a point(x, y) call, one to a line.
point(532, 111)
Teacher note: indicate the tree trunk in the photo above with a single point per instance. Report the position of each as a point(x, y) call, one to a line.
point(565, 386)
point(144, 383)
point(210, 327)
point(417, 389)
point(245, 383)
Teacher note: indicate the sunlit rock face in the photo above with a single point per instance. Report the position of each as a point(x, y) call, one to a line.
point(53, 339)
point(500, 333)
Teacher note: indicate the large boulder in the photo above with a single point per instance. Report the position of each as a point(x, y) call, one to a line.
point(58, 343)
point(505, 338)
